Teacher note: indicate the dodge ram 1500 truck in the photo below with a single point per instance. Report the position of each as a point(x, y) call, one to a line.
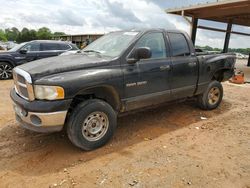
point(120, 72)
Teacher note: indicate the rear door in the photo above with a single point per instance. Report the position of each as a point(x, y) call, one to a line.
point(146, 81)
point(184, 74)
point(49, 49)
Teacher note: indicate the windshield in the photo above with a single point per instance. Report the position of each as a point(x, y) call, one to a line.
point(17, 47)
point(111, 44)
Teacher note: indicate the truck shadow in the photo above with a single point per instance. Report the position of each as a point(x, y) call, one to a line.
point(32, 154)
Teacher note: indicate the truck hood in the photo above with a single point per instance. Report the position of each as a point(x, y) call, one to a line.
point(60, 64)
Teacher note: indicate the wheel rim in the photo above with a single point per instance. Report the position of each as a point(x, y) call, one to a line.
point(5, 71)
point(95, 126)
point(214, 96)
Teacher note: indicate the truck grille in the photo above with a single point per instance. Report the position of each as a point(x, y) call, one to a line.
point(23, 84)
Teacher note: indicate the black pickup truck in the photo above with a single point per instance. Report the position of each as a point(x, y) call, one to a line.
point(120, 72)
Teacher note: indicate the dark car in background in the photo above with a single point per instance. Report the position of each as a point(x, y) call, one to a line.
point(30, 51)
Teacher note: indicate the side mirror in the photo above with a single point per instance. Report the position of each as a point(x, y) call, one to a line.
point(23, 51)
point(140, 53)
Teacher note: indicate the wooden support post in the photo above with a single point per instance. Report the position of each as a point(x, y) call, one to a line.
point(248, 64)
point(227, 38)
point(194, 29)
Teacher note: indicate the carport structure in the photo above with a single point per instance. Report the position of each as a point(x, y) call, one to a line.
point(226, 11)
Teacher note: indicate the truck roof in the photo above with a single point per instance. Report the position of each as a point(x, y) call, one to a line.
point(155, 29)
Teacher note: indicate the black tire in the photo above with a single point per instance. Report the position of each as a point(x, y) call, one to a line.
point(209, 101)
point(5, 71)
point(80, 124)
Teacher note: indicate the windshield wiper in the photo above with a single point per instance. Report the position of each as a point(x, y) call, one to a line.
point(87, 51)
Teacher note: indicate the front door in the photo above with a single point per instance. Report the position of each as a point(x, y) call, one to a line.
point(146, 82)
point(31, 53)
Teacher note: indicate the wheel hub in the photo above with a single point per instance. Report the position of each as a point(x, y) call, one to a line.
point(213, 95)
point(5, 71)
point(95, 126)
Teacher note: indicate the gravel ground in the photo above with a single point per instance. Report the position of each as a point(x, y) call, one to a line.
point(177, 145)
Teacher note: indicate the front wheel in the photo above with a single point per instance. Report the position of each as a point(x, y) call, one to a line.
point(5, 71)
point(212, 97)
point(91, 124)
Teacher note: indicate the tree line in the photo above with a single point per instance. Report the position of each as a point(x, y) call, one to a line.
point(13, 34)
point(44, 33)
point(245, 51)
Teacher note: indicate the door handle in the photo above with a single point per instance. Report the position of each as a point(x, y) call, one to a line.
point(192, 64)
point(165, 67)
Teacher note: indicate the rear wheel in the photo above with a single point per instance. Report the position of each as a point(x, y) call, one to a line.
point(91, 124)
point(212, 97)
point(5, 71)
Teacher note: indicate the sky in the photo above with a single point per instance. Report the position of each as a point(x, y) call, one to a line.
point(102, 16)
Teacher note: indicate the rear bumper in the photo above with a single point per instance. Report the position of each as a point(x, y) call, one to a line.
point(40, 116)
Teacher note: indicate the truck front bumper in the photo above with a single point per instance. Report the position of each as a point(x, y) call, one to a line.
point(40, 116)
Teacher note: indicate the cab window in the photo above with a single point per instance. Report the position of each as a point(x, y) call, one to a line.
point(50, 46)
point(156, 43)
point(31, 47)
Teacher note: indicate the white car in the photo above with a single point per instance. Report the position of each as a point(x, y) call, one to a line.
point(70, 52)
point(241, 56)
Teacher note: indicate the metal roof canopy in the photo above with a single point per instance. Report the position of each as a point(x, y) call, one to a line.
point(222, 11)
point(227, 11)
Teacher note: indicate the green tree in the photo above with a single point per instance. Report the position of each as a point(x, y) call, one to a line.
point(32, 34)
point(208, 48)
point(24, 36)
point(59, 33)
point(44, 33)
point(2, 36)
point(217, 49)
point(12, 34)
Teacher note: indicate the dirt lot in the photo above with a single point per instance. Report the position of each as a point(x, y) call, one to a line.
point(170, 146)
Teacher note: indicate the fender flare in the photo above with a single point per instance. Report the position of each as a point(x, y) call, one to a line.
point(105, 92)
point(221, 71)
point(8, 61)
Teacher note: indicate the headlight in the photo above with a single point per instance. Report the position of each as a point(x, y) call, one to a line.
point(48, 92)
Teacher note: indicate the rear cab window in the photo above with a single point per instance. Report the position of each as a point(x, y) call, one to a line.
point(179, 44)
